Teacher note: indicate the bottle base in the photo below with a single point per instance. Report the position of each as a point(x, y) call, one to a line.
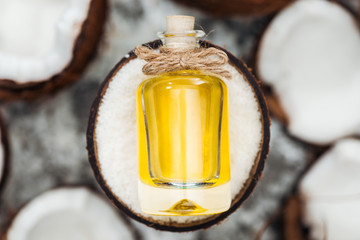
point(184, 202)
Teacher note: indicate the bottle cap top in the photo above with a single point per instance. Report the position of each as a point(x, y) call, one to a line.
point(179, 23)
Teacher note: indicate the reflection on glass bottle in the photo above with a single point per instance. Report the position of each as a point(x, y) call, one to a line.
point(183, 141)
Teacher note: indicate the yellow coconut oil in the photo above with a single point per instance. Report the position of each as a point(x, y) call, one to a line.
point(183, 144)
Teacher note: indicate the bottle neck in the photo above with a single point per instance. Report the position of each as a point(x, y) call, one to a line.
point(188, 39)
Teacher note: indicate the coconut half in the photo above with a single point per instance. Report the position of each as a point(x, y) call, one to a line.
point(45, 45)
point(71, 213)
point(309, 55)
point(236, 7)
point(111, 140)
point(4, 154)
point(328, 198)
point(330, 193)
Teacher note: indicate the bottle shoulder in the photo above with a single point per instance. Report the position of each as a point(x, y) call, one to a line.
point(185, 77)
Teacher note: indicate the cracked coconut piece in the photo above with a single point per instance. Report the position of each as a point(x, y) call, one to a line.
point(46, 45)
point(309, 55)
point(330, 193)
point(72, 213)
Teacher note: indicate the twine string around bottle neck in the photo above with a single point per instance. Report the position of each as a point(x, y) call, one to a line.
point(175, 59)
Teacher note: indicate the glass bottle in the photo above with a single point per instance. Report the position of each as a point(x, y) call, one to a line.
point(183, 136)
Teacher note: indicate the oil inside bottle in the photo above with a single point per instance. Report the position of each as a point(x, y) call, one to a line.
point(183, 139)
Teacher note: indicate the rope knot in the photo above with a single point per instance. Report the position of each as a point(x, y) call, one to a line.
point(173, 59)
point(184, 61)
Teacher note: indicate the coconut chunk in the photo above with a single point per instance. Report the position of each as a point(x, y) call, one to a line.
point(38, 36)
point(309, 55)
point(68, 213)
point(46, 41)
point(330, 193)
point(111, 140)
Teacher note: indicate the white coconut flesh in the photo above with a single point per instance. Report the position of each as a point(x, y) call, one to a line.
point(68, 213)
point(116, 139)
point(330, 192)
point(37, 37)
point(310, 55)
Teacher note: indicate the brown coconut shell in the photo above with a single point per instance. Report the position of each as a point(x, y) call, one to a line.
point(236, 7)
point(6, 154)
point(256, 171)
point(84, 50)
point(275, 106)
point(292, 218)
point(11, 217)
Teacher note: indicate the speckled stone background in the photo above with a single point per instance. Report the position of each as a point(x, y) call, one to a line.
point(47, 136)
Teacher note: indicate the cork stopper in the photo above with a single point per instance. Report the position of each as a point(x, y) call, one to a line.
point(179, 23)
point(180, 32)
